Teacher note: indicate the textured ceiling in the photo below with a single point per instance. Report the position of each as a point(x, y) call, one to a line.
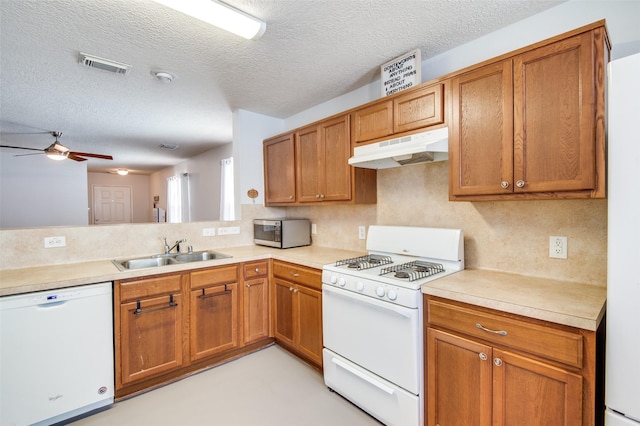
point(312, 51)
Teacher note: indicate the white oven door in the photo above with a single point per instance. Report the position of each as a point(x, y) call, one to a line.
point(379, 336)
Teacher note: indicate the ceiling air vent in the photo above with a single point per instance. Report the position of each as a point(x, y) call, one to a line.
point(104, 64)
point(169, 146)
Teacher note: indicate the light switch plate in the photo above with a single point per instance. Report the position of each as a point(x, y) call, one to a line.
point(229, 230)
point(208, 232)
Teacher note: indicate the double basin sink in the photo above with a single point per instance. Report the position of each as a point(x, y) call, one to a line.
point(168, 259)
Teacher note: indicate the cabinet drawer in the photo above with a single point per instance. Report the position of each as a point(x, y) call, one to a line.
point(550, 343)
point(255, 269)
point(140, 289)
point(299, 274)
point(222, 275)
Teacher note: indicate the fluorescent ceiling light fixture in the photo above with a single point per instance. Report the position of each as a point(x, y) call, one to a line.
point(123, 172)
point(220, 15)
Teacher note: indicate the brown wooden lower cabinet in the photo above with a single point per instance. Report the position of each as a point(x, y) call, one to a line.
point(508, 373)
point(170, 325)
point(297, 310)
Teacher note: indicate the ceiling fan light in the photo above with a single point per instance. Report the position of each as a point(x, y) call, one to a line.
point(123, 172)
point(57, 152)
point(220, 15)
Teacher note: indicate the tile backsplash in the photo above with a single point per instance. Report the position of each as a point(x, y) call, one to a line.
point(510, 236)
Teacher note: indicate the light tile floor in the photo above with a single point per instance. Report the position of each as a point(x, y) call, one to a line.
point(267, 388)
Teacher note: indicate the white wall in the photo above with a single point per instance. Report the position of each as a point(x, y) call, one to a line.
point(204, 182)
point(622, 26)
point(249, 130)
point(36, 191)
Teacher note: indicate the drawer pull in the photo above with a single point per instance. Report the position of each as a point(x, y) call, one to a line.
point(483, 356)
point(497, 362)
point(294, 274)
point(488, 330)
point(139, 310)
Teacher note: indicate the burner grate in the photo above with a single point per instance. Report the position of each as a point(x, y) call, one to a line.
point(413, 270)
point(365, 262)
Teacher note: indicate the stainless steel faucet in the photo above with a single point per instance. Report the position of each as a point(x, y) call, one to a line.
point(168, 249)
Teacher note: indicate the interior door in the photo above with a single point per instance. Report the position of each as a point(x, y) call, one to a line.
point(111, 204)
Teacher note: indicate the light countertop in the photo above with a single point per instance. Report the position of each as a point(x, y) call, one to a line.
point(568, 303)
point(27, 280)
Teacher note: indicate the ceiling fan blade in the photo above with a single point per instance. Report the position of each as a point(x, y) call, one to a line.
point(87, 154)
point(73, 157)
point(24, 155)
point(20, 147)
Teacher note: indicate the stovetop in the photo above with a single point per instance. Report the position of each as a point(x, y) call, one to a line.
point(399, 261)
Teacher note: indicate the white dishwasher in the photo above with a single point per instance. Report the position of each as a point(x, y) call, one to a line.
point(56, 354)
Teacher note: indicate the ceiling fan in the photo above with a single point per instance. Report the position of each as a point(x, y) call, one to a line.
point(57, 151)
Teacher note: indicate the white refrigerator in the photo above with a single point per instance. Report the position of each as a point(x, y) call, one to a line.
point(622, 382)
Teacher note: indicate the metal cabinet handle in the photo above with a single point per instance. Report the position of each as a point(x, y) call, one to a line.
point(139, 310)
point(520, 184)
point(293, 274)
point(204, 296)
point(504, 184)
point(483, 356)
point(488, 330)
point(248, 285)
point(258, 270)
point(497, 362)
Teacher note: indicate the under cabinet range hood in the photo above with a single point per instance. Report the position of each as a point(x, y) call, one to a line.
point(412, 149)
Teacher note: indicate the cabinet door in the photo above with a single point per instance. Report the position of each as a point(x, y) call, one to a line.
point(336, 150)
point(458, 381)
point(214, 320)
point(481, 131)
point(279, 170)
point(554, 98)
point(528, 392)
point(419, 108)
point(309, 173)
point(283, 311)
point(309, 316)
point(256, 309)
point(374, 121)
point(151, 332)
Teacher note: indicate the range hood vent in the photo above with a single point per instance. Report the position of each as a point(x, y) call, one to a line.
point(412, 149)
point(104, 64)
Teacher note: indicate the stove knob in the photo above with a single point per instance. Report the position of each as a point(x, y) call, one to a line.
point(360, 286)
point(392, 295)
point(380, 291)
point(342, 282)
point(333, 279)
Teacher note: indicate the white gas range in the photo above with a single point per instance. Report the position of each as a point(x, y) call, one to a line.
point(372, 318)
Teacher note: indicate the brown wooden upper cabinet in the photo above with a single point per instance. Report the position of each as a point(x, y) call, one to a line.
point(532, 125)
point(322, 155)
point(410, 110)
point(311, 165)
point(279, 170)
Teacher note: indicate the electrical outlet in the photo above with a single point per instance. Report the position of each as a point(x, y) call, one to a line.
point(229, 230)
point(314, 229)
point(558, 247)
point(52, 242)
point(362, 232)
point(208, 232)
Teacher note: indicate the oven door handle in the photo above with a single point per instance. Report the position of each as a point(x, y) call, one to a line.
point(356, 298)
point(364, 377)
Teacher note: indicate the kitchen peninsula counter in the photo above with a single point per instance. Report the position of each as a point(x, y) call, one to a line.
point(562, 302)
point(50, 277)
